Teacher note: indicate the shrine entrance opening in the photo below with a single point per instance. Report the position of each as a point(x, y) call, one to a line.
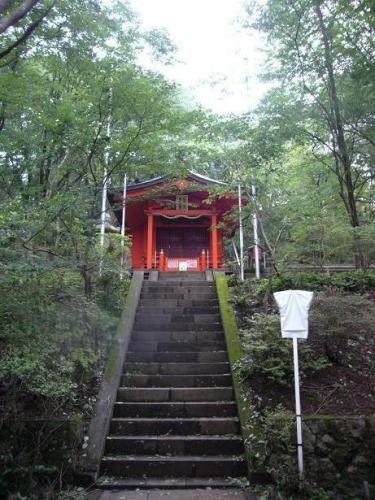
point(182, 242)
point(182, 248)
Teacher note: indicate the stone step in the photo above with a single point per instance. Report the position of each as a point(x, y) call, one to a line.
point(174, 317)
point(111, 483)
point(166, 336)
point(178, 357)
point(206, 317)
point(155, 346)
point(154, 287)
point(174, 445)
point(179, 288)
point(174, 302)
point(178, 310)
point(176, 368)
point(167, 466)
point(178, 296)
point(158, 284)
point(176, 410)
point(182, 276)
point(153, 394)
point(180, 426)
point(219, 380)
point(148, 324)
point(184, 289)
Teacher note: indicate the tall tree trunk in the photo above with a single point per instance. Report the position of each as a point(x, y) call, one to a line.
point(87, 279)
point(343, 156)
point(45, 166)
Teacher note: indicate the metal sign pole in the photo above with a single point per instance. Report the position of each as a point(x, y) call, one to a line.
point(256, 237)
point(103, 216)
point(104, 191)
point(241, 232)
point(236, 252)
point(298, 408)
point(123, 227)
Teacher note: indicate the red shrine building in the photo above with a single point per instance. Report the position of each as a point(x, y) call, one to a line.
point(176, 224)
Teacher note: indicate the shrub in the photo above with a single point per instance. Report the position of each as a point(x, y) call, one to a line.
point(350, 281)
point(270, 356)
point(342, 328)
point(53, 336)
point(347, 325)
point(53, 344)
point(335, 314)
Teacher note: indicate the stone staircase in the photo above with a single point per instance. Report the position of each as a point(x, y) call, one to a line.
point(175, 421)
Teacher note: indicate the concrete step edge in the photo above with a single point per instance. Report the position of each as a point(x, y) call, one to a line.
point(183, 419)
point(227, 387)
point(175, 458)
point(175, 437)
point(108, 482)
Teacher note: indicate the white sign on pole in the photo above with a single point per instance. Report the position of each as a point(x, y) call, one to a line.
point(183, 266)
point(256, 238)
point(242, 275)
point(294, 315)
point(294, 312)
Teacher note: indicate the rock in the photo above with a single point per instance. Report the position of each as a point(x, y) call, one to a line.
point(352, 469)
point(324, 445)
point(309, 440)
point(328, 440)
point(360, 460)
point(358, 428)
point(326, 466)
point(317, 427)
point(370, 422)
point(340, 455)
point(321, 449)
point(312, 465)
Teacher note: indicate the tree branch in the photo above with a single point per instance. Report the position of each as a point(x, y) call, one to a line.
point(16, 15)
point(33, 26)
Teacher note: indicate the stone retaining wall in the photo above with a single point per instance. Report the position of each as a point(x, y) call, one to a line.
point(38, 452)
point(339, 452)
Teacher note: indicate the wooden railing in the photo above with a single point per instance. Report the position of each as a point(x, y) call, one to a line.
point(161, 262)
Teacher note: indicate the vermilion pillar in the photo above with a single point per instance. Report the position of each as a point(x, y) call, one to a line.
point(150, 232)
point(214, 248)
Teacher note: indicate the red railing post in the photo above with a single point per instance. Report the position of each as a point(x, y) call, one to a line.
point(162, 260)
point(203, 261)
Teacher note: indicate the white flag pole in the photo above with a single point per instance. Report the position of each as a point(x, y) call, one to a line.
point(298, 408)
point(256, 237)
point(104, 194)
point(241, 232)
point(123, 227)
point(104, 207)
point(235, 252)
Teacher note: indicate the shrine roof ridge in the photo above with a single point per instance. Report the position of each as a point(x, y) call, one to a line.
point(157, 180)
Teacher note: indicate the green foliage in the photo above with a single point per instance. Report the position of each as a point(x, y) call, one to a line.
point(350, 281)
point(321, 64)
point(53, 335)
point(270, 357)
point(54, 342)
point(243, 294)
point(72, 494)
point(347, 325)
point(341, 315)
point(37, 370)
